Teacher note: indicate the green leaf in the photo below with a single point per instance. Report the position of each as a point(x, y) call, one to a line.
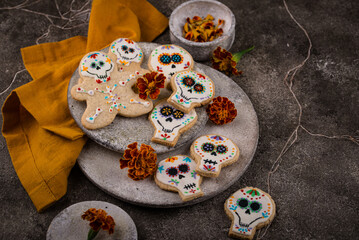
point(237, 56)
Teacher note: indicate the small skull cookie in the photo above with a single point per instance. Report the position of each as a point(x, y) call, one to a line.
point(170, 123)
point(106, 92)
point(178, 174)
point(249, 209)
point(212, 152)
point(169, 59)
point(190, 89)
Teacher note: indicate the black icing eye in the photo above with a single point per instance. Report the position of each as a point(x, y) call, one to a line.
point(255, 206)
point(93, 65)
point(178, 114)
point(242, 203)
point(101, 63)
point(221, 149)
point(166, 111)
point(172, 171)
point(131, 50)
point(164, 58)
point(188, 81)
point(124, 47)
point(198, 88)
point(207, 147)
point(177, 58)
point(184, 168)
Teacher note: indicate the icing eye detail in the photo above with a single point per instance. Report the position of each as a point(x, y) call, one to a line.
point(166, 111)
point(172, 171)
point(164, 59)
point(101, 63)
point(178, 114)
point(207, 147)
point(177, 58)
point(124, 48)
point(188, 81)
point(221, 149)
point(93, 65)
point(183, 168)
point(131, 50)
point(242, 203)
point(255, 206)
point(198, 88)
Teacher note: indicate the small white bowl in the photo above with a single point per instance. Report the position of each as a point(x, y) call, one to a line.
point(202, 51)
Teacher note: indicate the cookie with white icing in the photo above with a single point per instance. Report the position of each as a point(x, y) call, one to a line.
point(249, 209)
point(170, 122)
point(178, 174)
point(212, 153)
point(170, 59)
point(107, 91)
point(126, 53)
point(191, 89)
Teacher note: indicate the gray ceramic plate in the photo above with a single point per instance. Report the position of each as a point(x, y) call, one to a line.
point(101, 165)
point(122, 130)
point(69, 225)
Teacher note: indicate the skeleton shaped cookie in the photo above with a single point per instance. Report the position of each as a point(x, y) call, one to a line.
point(191, 89)
point(178, 174)
point(170, 122)
point(106, 91)
point(169, 59)
point(250, 209)
point(212, 152)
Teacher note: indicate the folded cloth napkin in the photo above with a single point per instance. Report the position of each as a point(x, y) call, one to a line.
point(42, 137)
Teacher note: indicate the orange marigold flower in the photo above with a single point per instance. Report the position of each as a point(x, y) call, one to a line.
point(141, 163)
point(226, 62)
point(149, 85)
point(221, 111)
point(99, 220)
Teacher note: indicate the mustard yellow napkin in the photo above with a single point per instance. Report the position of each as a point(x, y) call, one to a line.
point(42, 137)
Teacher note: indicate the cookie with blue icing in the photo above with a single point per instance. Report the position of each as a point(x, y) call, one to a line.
point(249, 209)
point(191, 89)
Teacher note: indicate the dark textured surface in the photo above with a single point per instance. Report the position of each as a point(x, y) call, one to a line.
point(316, 186)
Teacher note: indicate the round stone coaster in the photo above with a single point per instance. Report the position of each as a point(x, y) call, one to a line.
point(102, 166)
point(123, 130)
point(69, 225)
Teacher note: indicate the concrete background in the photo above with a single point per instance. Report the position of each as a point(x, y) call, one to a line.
point(316, 185)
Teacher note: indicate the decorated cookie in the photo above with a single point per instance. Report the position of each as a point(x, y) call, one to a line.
point(126, 54)
point(212, 152)
point(106, 91)
point(190, 89)
point(178, 174)
point(250, 209)
point(169, 59)
point(170, 123)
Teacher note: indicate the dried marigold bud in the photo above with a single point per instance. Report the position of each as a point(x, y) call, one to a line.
point(98, 219)
point(221, 111)
point(202, 30)
point(141, 163)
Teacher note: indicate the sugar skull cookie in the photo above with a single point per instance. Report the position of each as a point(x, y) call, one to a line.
point(178, 174)
point(212, 152)
point(107, 92)
point(190, 89)
point(170, 122)
point(169, 59)
point(249, 209)
point(126, 52)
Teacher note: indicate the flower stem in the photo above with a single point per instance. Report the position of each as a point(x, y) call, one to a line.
point(237, 56)
point(92, 234)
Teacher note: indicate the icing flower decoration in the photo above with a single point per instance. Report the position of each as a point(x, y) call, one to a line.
point(221, 111)
point(98, 219)
point(149, 85)
point(141, 163)
point(226, 62)
point(202, 30)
